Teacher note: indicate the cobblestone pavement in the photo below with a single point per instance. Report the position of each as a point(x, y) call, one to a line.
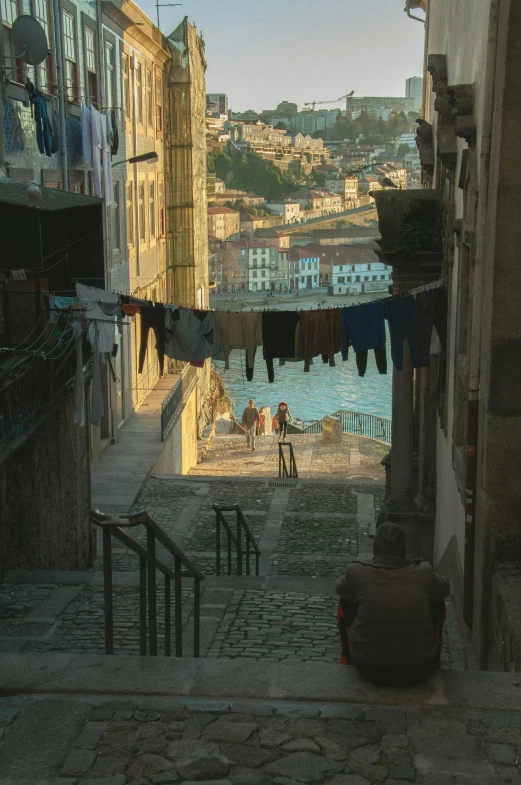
point(307, 531)
point(353, 457)
point(161, 741)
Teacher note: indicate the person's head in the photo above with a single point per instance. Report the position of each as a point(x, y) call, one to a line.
point(283, 405)
point(389, 538)
point(251, 403)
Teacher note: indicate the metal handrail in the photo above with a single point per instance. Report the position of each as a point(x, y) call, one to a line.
point(358, 423)
point(114, 526)
point(283, 467)
point(235, 538)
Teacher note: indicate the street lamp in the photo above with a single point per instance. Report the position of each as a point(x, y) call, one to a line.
point(150, 158)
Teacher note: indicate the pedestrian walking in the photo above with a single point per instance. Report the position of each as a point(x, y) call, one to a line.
point(251, 421)
point(283, 417)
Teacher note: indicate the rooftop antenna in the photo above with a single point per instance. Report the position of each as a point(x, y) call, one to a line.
point(165, 5)
point(29, 40)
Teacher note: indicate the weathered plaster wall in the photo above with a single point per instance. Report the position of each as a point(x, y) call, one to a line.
point(45, 498)
point(180, 451)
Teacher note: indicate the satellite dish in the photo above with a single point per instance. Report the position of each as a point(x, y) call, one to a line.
point(29, 39)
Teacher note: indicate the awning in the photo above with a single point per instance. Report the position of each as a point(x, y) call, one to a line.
point(14, 193)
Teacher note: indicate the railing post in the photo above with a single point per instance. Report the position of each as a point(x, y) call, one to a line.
point(167, 616)
point(107, 590)
point(178, 609)
point(152, 599)
point(197, 614)
point(239, 545)
point(229, 551)
point(142, 605)
point(217, 543)
point(257, 562)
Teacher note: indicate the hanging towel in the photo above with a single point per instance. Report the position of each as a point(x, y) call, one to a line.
point(86, 134)
point(238, 331)
point(400, 314)
point(89, 297)
point(190, 334)
point(320, 332)
point(97, 144)
point(152, 318)
point(278, 337)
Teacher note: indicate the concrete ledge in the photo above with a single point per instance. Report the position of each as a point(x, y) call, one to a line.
point(234, 679)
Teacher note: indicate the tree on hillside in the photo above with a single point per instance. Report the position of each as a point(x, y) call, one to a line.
point(281, 126)
point(402, 151)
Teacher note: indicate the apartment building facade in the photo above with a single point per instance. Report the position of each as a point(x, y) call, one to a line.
point(224, 223)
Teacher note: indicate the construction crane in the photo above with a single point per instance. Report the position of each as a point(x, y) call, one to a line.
point(312, 104)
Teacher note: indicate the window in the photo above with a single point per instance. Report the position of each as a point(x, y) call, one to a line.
point(375, 277)
point(130, 213)
point(125, 74)
point(341, 279)
point(69, 47)
point(357, 279)
point(161, 211)
point(352, 268)
point(115, 219)
point(255, 273)
point(139, 92)
point(348, 279)
point(341, 269)
point(150, 102)
point(368, 266)
point(309, 265)
point(141, 211)
point(90, 64)
point(152, 208)
point(254, 251)
point(382, 277)
point(159, 105)
point(41, 13)
point(110, 63)
point(14, 68)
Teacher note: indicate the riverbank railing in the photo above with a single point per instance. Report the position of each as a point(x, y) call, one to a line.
point(359, 424)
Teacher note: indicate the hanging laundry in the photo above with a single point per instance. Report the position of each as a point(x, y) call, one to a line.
point(430, 310)
point(114, 134)
point(128, 299)
point(278, 337)
point(97, 144)
point(86, 133)
point(130, 310)
point(97, 406)
point(190, 334)
point(320, 332)
point(238, 331)
point(363, 327)
point(400, 314)
point(152, 318)
point(380, 356)
point(107, 168)
point(90, 298)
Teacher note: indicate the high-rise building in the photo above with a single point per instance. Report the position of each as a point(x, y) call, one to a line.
point(217, 103)
point(414, 89)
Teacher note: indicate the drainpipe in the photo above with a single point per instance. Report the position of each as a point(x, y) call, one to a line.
point(2, 152)
point(407, 10)
point(475, 347)
point(61, 92)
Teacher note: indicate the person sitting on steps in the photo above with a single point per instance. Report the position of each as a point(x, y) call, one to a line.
point(283, 417)
point(391, 613)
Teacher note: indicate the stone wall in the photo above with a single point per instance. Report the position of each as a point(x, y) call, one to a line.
point(45, 497)
point(179, 454)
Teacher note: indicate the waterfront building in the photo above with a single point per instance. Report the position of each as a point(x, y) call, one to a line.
point(224, 223)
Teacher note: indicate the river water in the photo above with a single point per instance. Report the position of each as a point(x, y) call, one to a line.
point(311, 395)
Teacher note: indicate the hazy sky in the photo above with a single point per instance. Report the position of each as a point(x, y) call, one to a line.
point(260, 52)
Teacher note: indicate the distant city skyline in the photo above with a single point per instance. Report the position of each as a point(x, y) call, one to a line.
point(260, 55)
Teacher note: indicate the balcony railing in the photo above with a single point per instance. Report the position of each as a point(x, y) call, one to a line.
point(358, 424)
point(172, 405)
